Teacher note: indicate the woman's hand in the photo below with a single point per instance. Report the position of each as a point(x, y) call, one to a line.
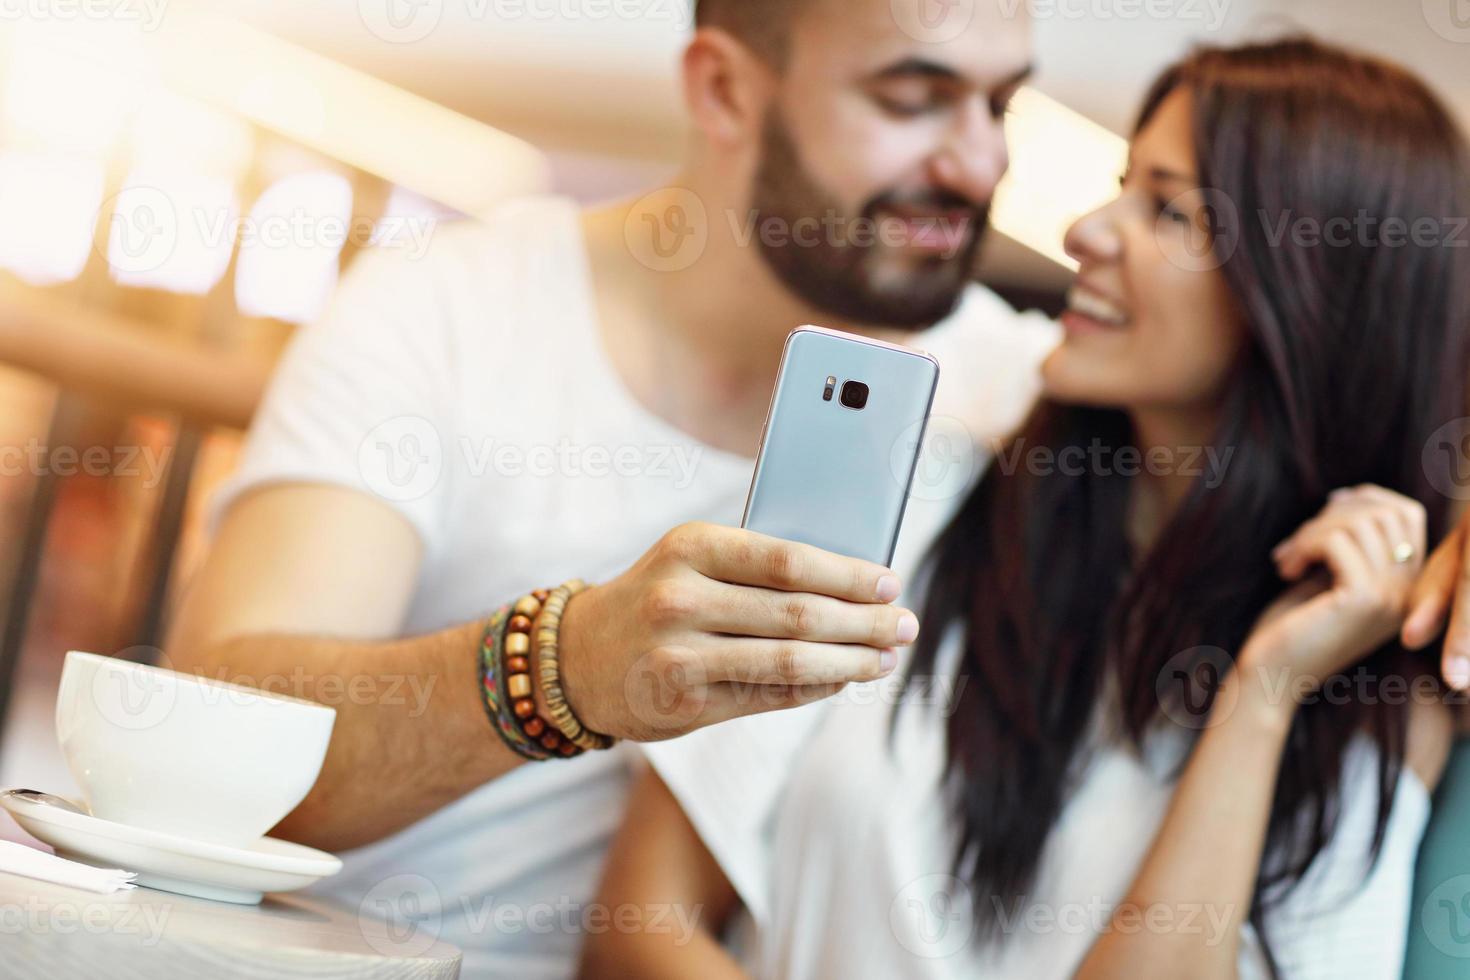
point(1371, 543)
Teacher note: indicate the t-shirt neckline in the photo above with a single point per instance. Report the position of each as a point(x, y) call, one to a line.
point(600, 360)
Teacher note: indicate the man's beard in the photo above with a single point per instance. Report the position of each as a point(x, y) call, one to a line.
point(847, 279)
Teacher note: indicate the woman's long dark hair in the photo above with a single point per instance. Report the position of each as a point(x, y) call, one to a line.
point(1356, 354)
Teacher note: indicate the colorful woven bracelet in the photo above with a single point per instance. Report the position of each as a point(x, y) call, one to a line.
point(494, 692)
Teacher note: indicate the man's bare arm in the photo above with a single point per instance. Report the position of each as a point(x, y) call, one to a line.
point(302, 594)
point(306, 589)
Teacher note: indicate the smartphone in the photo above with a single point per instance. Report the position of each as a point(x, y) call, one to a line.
point(841, 443)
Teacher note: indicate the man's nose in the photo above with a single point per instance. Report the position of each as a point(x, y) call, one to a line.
point(974, 158)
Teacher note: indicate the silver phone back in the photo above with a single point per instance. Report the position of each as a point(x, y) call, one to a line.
point(832, 476)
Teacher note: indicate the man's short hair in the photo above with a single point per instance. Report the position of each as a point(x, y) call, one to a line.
point(764, 25)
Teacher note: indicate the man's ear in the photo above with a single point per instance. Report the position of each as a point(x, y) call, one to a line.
point(726, 87)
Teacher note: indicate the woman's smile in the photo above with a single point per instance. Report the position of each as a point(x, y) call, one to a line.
point(1089, 310)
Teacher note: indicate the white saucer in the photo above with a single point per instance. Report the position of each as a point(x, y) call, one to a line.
point(171, 863)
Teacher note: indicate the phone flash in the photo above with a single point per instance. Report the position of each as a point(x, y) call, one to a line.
point(831, 387)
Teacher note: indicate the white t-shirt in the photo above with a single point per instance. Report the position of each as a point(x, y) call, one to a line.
point(848, 871)
point(470, 389)
point(862, 886)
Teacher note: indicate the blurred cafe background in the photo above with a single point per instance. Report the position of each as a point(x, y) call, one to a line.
point(181, 184)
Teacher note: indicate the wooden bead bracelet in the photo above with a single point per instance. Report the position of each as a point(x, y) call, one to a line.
point(509, 690)
point(494, 690)
point(548, 637)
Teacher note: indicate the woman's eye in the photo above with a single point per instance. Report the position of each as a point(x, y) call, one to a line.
point(1169, 212)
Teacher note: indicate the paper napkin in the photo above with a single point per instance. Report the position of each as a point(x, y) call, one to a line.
point(31, 863)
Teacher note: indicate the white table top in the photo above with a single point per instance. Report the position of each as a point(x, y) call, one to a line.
point(50, 931)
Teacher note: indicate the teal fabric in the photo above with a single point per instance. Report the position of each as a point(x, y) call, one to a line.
point(1439, 920)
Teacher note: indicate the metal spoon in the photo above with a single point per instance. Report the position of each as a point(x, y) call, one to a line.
point(45, 799)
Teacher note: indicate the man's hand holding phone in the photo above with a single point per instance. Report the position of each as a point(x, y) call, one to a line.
point(715, 623)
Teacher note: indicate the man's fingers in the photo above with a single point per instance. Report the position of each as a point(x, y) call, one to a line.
point(728, 701)
point(787, 662)
point(1429, 601)
point(745, 558)
point(1456, 662)
point(776, 615)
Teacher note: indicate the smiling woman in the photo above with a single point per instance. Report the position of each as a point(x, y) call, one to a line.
point(1151, 316)
point(1191, 325)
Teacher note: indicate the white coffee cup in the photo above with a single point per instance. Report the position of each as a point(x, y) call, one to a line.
point(183, 754)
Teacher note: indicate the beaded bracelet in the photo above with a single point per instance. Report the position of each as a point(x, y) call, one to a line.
point(515, 668)
point(548, 636)
point(493, 690)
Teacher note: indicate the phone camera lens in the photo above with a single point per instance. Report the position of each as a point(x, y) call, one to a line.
point(855, 395)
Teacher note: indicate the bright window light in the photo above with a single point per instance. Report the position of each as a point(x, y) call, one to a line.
point(175, 133)
point(1063, 165)
point(48, 207)
point(290, 244)
point(61, 93)
point(171, 231)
